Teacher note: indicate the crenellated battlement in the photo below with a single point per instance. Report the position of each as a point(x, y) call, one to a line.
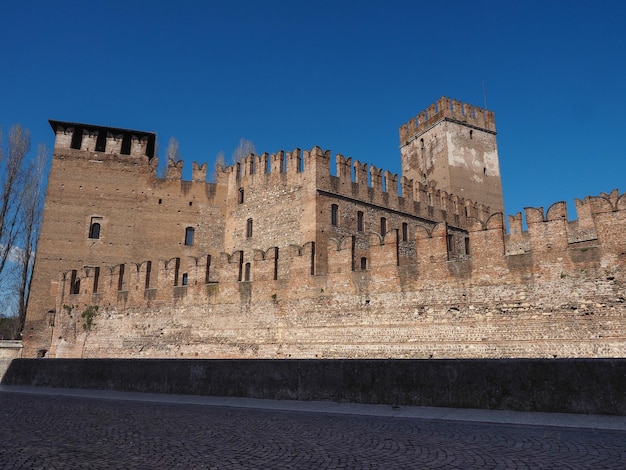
point(286, 255)
point(108, 140)
point(446, 108)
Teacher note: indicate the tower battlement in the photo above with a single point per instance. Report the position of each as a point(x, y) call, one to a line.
point(109, 140)
point(446, 108)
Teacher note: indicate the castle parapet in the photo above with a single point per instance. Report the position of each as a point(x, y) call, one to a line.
point(101, 139)
point(445, 108)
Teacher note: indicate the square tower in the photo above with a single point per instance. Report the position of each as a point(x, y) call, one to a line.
point(452, 146)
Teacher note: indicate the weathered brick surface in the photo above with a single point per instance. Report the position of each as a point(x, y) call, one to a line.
point(305, 283)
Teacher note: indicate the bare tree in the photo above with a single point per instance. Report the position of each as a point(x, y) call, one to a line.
point(22, 185)
point(12, 175)
point(172, 153)
point(245, 148)
point(32, 213)
point(219, 161)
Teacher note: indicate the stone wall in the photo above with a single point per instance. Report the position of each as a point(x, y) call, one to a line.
point(565, 386)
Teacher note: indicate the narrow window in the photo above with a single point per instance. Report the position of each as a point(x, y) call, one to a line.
point(238, 166)
point(466, 211)
point(312, 258)
point(467, 246)
point(363, 263)
point(471, 134)
point(185, 279)
point(101, 141)
point(240, 266)
point(190, 203)
point(176, 271)
point(240, 196)
point(77, 138)
point(207, 273)
point(148, 272)
point(449, 243)
point(359, 221)
point(249, 228)
point(160, 201)
point(125, 150)
point(247, 272)
point(275, 263)
point(334, 214)
point(94, 227)
point(74, 283)
point(422, 143)
point(189, 232)
point(120, 279)
point(96, 279)
point(405, 231)
point(383, 226)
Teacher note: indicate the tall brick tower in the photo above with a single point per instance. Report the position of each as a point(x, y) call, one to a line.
point(452, 145)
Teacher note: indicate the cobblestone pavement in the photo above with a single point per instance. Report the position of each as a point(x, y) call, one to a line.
point(65, 432)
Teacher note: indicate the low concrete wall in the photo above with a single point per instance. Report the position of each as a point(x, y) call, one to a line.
point(9, 350)
point(561, 385)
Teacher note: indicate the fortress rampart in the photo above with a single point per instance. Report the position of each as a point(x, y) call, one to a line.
point(551, 290)
point(280, 256)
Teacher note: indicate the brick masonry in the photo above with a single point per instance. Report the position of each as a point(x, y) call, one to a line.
point(281, 258)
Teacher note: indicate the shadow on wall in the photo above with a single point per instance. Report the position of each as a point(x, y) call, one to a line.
point(593, 386)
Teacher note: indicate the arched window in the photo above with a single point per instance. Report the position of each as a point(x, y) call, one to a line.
point(359, 221)
point(240, 196)
point(249, 228)
point(334, 214)
point(189, 232)
point(94, 227)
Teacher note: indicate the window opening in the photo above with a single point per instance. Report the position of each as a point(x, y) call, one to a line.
point(77, 138)
point(207, 274)
point(94, 228)
point(247, 272)
point(101, 141)
point(96, 279)
point(275, 263)
point(185, 279)
point(405, 231)
point(74, 283)
point(449, 243)
point(467, 245)
point(383, 226)
point(125, 150)
point(120, 279)
point(160, 201)
point(189, 233)
point(334, 214)
point(190, 203)
point(240, 277)
point(363, 263)
point(148, 272)
point(176, 271)
point(240, 196)
point(312, 258)
point(359, 221)
point(249, 228)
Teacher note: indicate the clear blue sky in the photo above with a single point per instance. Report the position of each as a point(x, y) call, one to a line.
point(343, 75)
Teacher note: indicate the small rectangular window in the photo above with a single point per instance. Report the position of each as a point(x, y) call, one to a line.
point(405, 231)
point(148, 272)
point(189, 233)
point(359, 221)
point(334, 214)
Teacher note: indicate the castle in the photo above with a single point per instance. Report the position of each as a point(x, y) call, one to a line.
point(279, 258)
